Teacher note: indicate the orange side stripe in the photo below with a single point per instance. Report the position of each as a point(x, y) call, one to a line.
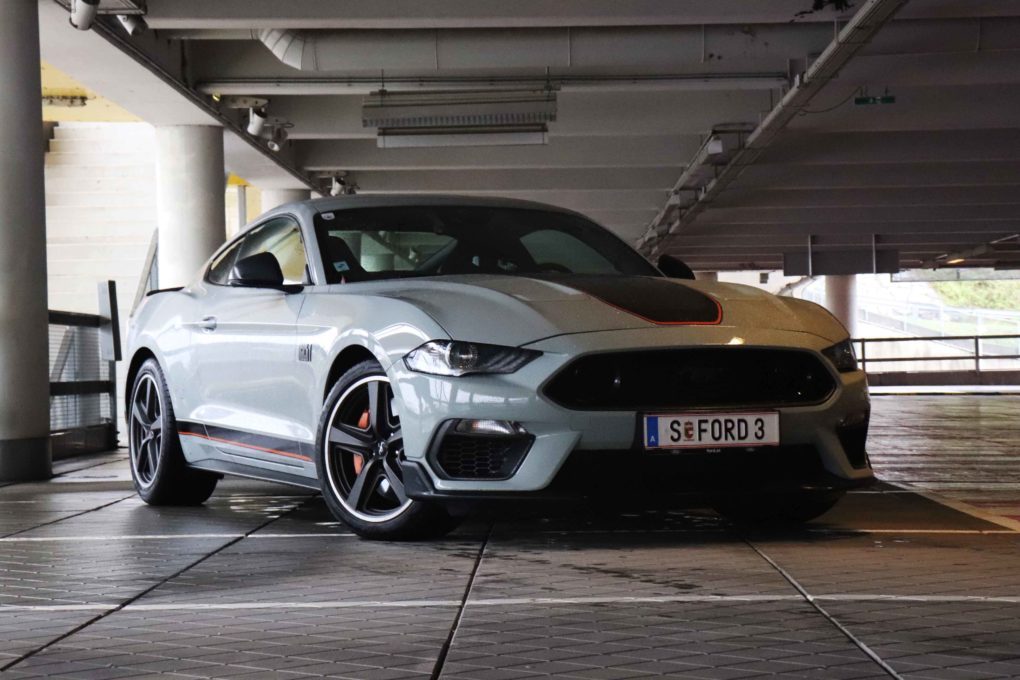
point(246, 446)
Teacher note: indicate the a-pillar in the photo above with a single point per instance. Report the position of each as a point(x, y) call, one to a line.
point(24, 325)
point(190, 187)
point(841, 299)
point(272, 198)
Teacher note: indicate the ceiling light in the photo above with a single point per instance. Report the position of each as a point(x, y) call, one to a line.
point(956, 260)
point(256, 121)
point(459, 118)
point(83, 13)
point(275, 142)
point(340, 186)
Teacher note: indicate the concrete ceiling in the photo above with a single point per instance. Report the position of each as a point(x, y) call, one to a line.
point(640, 86)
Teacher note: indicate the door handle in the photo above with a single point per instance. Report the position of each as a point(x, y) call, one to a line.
point(208, 323)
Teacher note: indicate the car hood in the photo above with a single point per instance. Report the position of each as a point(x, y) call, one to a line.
point(515, 310)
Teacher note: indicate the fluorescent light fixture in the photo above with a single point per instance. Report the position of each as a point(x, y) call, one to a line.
point(460, 118)
point(956, 260)
point(453, 137)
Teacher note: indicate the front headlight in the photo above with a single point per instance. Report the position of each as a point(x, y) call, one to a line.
point(448, 357)
point(842, 356)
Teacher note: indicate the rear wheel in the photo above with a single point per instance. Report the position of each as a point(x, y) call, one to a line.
point(360, 447)
point(158, 468)
point(778, 509)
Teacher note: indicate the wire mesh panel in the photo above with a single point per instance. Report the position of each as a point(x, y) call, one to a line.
point(81, 386)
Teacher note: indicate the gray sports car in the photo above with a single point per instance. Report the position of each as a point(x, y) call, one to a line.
point(411, 356)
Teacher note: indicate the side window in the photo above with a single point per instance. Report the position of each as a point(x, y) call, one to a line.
point(282, 238)
point(219, 272)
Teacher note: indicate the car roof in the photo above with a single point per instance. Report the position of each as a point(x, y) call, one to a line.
point(396, 200)
point(334, 203)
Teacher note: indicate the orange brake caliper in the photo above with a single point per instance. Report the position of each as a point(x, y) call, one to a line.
point(359, 461)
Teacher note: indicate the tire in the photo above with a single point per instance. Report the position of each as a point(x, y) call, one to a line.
point(359, 446)
point(160, 473)
point(780, 509)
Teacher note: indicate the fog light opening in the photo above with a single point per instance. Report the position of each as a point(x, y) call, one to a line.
point(495, 428)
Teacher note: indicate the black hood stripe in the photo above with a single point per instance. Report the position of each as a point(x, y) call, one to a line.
point(660, 301)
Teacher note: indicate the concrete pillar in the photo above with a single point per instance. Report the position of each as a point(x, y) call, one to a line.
point(189, 199)
point(841, 299)
point(706, 276)
point(272, 198)
point(24, 325)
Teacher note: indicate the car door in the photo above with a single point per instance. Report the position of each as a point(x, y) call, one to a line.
point(244, 357)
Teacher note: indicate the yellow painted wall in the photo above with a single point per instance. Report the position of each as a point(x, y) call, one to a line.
point(96, 110)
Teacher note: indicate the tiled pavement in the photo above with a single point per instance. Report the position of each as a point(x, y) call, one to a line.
point(262, 583)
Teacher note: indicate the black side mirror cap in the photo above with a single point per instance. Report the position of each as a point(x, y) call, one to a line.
point(259, 271)
point(675, 268)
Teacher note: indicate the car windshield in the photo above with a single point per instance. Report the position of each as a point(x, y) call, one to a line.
point(363, 244)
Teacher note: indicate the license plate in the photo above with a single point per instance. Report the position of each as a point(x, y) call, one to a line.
point(711, 430)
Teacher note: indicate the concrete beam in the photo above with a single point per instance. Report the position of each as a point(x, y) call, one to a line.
point(563, 152)
point(886, 175)
point(579, 113)
point(518, 179)
point(863, 214)
point(872, 148)
point(895, 197)
point(410, 14)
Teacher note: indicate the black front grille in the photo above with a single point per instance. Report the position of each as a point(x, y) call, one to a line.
point(692, 378)
point(461, 456)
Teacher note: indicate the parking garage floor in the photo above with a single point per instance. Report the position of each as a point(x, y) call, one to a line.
point(918, 577)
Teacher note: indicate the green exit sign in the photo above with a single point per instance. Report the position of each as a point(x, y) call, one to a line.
point(871, 101)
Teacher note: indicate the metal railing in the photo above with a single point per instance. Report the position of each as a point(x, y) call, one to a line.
point(977, 359)
point(82, 386)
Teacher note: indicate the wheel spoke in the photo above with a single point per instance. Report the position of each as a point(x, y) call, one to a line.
point(348, 437)
point(379, 407)
point(363, 485)
point(152, 455)
point(138, 414)
point(396, 483)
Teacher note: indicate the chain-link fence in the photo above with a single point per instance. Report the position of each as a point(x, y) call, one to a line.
point(82, 387)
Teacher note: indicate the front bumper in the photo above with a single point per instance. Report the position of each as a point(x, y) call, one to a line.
point(815, 452)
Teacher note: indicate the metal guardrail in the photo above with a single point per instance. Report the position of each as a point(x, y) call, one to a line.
point(974, 363)
point(83, 378)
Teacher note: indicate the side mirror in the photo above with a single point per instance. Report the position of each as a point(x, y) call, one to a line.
point(257, 271)
point(675, 268)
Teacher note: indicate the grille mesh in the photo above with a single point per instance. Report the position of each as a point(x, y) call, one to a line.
point(692, 378)
point(472, 457)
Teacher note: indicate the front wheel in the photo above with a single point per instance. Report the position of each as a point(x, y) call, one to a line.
point(360, 446)
point(158, 468)
point(777, 509)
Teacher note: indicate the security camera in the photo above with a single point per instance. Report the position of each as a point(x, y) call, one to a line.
point(256, 121)
point(83, 13)
point(340, 186)
point(133, 24)
point(275, 142)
